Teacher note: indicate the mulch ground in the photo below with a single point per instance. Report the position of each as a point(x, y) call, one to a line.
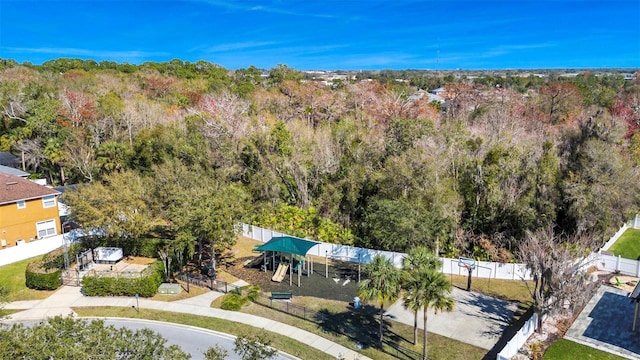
point(342, 283)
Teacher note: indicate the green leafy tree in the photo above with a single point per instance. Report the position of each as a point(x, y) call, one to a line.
point(68, 338)
point(254, 347)
point(599, 187)
point(216, 352)
point(282, 73)
point(382, 286)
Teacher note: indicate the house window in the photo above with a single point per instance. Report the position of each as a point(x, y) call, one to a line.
point(22, 204)
point(48, 201)
point(46, 228)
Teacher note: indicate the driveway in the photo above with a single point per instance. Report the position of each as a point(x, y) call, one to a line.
point(476, 319)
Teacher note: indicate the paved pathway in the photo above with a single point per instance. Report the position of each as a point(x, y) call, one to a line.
point(606, 323)
point(476, 319)
point(61, 302)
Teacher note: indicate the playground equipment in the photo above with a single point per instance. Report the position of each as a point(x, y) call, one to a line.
point(280, 272)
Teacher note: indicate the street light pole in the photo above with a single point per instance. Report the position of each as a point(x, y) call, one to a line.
point(66, 247)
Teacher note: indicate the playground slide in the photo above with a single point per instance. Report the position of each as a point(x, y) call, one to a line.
point(280, 272)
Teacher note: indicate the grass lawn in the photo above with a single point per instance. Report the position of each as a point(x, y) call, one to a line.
point(14, 281)
point(348, 328)
point(279, 342)
point(510, 290)
point(628, 245)
point(569, 350)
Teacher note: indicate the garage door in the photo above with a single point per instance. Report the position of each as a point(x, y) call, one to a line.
point(46, 228)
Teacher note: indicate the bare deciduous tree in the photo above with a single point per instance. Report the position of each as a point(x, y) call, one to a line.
point(559, 269)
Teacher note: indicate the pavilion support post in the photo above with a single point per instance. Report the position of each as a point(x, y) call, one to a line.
point(290, 269)
point(326, 264)
point(264, 260)
point(359, 262)
point(299, 271)
point(635, 317)
point(273, 261)
point(309, 266)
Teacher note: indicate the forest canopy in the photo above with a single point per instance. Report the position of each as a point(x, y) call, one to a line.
point(182, 151)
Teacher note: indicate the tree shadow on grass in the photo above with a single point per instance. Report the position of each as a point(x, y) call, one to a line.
point(361, 327)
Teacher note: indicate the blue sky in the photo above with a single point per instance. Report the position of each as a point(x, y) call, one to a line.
point(328, 34)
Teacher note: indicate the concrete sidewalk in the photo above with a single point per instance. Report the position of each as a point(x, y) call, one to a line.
point(67, 297)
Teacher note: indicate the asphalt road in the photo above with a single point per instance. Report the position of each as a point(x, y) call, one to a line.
point(192, 340)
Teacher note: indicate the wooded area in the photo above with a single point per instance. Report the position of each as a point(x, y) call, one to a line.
point(181, 152)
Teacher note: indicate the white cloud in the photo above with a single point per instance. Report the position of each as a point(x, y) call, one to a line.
point(234, 46)
point(107, 54)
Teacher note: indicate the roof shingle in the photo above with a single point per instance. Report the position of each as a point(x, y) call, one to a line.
point(14, 188)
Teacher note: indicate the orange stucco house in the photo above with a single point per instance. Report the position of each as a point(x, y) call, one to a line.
point(28, 211)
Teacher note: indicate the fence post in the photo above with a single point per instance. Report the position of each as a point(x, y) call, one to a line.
point(618, 263)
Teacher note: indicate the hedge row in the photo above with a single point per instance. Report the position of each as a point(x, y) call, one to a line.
point(40, 279)
point(143, 247)
point(146, 285)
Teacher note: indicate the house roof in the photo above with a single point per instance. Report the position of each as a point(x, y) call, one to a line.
point(14, 188)
point(288, 244)
point(13, 171)
point(8, 159)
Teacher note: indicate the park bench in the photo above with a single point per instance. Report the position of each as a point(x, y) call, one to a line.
point(281, 295)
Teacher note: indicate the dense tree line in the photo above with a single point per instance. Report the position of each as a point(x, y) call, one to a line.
point(181, 151)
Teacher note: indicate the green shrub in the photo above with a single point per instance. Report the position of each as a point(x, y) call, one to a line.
point(233, 301)
point(130, 247)
point(146, 285)
point(42, 279)
point(55, 258)
point(254, 293)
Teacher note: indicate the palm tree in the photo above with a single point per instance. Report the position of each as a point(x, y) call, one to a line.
point(427, 288)
point(382, 285)
point(419, 257)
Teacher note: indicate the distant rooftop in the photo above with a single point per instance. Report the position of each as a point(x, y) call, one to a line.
point(8, 159)
point(13, 171)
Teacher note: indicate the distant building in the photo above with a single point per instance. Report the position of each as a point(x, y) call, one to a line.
point(7, 159)
point(28, 211)
point(13, 171)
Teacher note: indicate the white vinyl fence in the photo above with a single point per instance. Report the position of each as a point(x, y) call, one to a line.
point(519, 339)
point(484, 269)
point(20, 252)
point(17, 253)
point(608, 261)
point(617, 235)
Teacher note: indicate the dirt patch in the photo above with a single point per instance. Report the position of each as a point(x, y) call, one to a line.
point(138, 260)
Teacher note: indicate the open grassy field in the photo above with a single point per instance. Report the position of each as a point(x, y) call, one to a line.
point(13, 280)
point(279, 342)
point(628, 245)
point(569, 350)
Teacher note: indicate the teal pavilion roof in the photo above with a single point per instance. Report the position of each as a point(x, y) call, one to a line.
point(288, 244)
